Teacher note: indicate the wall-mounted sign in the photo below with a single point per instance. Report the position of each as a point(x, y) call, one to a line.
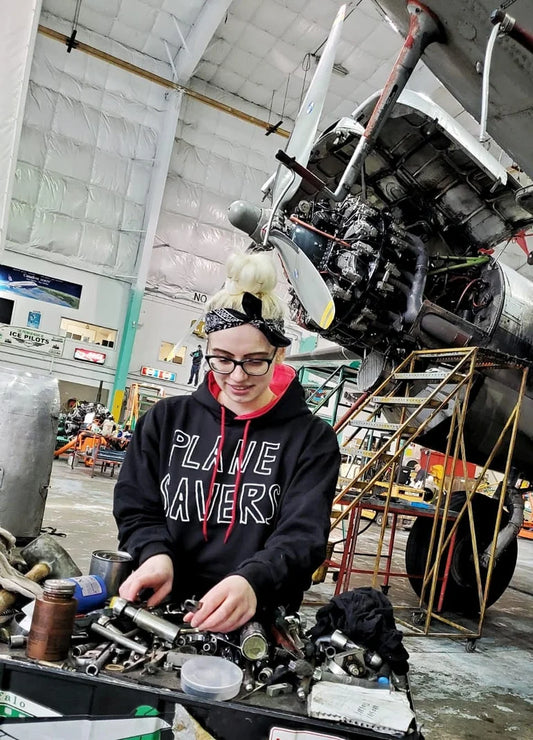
point(19, 336)
point(199, 297)
point(89, 355)
point(39, 287)
point(152, 372)
point(34, 319)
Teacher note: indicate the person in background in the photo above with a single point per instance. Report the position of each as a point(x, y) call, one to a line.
point(108, 426)
point(71, 404)
point(419, 476)
point(197, 357)
point(225, 494)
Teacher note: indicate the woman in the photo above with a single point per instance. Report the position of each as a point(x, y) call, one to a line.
point(244, 448)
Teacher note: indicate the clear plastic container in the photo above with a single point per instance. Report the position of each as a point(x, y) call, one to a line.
point(210, 677)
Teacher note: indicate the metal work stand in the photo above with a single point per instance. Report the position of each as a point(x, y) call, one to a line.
point(447, 376)
point(396, 512)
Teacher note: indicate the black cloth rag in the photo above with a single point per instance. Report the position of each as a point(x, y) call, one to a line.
point(366, 617)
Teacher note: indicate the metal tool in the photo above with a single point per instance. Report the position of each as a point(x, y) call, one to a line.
point(83, 648)
point(273, 677)
point(253, 641)
point(265, 674)
point(340, 641)
point(114, 635)
point(17, 641)
point(248, 679)
point(152, 666)
point(278, 689)
point(304, 672)
point(93, 668)
point(191, 605)
point(133, 662)
point(302, 691)
point(176, 658)
point(285, 632)
point(146, 620)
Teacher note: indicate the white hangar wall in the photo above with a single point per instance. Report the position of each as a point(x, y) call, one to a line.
point(217, 158)
point(87, 150)
point(85, 161)
point(88, 147)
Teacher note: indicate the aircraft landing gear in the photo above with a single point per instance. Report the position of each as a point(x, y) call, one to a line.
point(461, 591)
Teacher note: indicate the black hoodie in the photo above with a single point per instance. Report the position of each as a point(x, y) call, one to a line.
point(268, 524)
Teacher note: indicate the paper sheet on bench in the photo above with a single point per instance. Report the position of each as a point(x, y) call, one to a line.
point(377, 709)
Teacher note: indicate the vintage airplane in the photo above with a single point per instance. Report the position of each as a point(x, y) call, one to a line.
point(386, 224)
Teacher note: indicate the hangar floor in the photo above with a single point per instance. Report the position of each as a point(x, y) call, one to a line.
point(458, 695)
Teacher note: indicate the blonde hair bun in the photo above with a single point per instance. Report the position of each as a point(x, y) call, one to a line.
point(250, 272)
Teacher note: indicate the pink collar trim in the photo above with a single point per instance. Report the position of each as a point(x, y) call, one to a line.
point(282, 378)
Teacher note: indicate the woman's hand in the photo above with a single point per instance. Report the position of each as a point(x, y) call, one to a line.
point(226, 607)
point(156, 573)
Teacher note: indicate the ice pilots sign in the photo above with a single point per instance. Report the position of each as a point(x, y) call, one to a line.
point(18, 336)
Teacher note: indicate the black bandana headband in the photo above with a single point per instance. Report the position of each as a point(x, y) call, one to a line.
point(226, 318)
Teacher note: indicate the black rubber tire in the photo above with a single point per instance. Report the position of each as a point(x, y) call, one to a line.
point(461, 591)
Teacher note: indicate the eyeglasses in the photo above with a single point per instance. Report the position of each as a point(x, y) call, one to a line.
point(225, 365)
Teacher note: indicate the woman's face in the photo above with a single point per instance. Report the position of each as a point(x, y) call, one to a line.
point(245, 392)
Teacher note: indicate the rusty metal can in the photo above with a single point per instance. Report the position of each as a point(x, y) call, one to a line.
point(53, 621)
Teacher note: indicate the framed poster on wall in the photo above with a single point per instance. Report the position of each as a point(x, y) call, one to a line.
point(39, 287)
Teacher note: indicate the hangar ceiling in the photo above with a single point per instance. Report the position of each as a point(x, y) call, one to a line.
point(93, 133)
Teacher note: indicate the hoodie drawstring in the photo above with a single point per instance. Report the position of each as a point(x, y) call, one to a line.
point(215, 470)
point(237, 482)
point(237, 477)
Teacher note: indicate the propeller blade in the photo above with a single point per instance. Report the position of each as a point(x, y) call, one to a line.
point(305, 127)
point(307, 282)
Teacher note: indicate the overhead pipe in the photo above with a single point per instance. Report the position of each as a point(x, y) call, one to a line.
point(515, 501)
point(416, 297)
point(163, 81)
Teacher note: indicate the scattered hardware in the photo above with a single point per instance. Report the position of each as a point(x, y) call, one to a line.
point(277, 656)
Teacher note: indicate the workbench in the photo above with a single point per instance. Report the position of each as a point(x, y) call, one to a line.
point(81, 703)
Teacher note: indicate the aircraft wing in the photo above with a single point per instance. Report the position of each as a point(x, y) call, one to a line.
point(458, 61)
